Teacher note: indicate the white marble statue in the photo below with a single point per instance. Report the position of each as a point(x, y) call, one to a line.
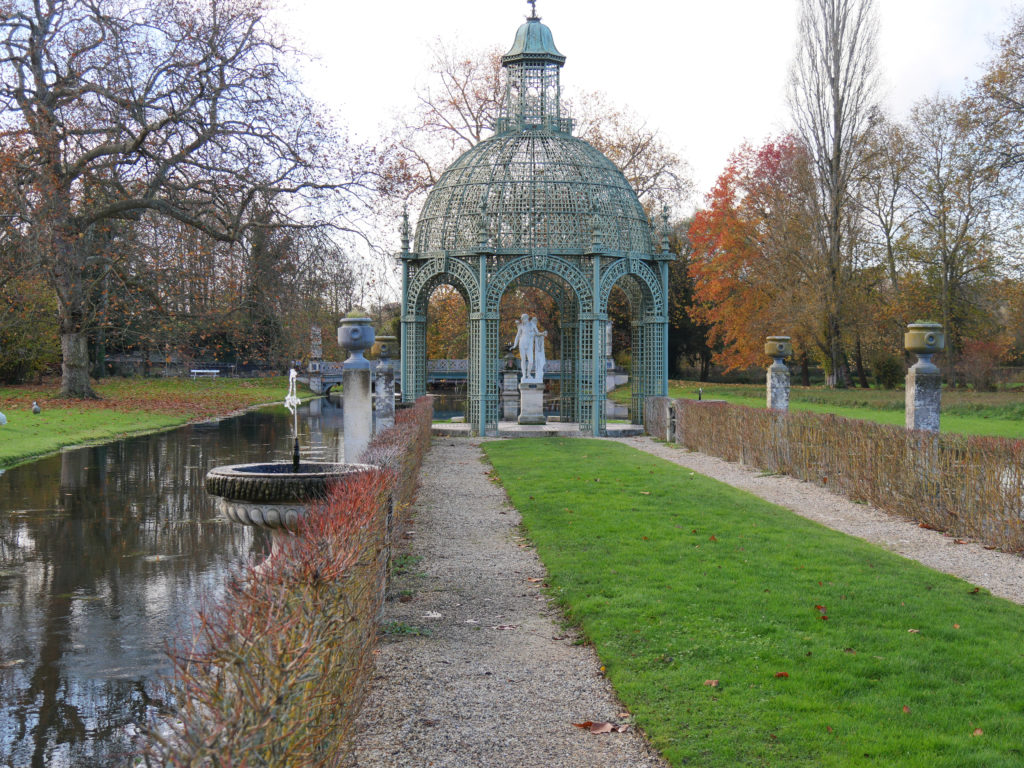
point(524, 338)
point(531, 348)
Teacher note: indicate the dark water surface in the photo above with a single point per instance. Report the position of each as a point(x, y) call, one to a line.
point(105, 552)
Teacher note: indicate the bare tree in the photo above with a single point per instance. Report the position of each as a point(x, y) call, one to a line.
point(963, 223)
point(831, 94)
point(183, 109)
point(884, 193)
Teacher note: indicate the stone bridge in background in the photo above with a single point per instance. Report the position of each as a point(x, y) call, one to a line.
point(322, 375)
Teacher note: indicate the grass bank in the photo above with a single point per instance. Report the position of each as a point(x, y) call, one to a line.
point(994, 414)
point(125, 407)
point(706, 606)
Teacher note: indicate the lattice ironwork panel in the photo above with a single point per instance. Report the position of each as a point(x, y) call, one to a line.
point(490, 386)
point(427, 276)
point(638, 380)
point(473, 383)
point(642, 275)
point(654, 361)
point(414, 359)
point(514, 271)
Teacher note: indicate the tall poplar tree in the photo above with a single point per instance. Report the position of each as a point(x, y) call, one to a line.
point(832, 87)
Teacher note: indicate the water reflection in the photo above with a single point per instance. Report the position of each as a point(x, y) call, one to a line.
point(104, 554)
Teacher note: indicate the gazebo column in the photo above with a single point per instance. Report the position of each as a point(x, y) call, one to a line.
point(655, 357)
point(663, 352)
point(638, 382)
point(414, 356)
point(595, 359)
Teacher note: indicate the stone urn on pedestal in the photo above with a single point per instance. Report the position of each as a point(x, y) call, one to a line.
point(778, 348)
point(385, 383)
point(355, 336)
point(924, 381)
point(275, 495)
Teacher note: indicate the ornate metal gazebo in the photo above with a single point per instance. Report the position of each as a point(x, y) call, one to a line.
point(535, 206)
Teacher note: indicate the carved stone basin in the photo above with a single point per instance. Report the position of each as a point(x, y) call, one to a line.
point(273, 495)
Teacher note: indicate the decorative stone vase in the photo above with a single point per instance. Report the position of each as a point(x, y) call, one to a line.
point(778, 347)
point(272, 495)
point(924, 338)
point(386, 347)
point(356, 335)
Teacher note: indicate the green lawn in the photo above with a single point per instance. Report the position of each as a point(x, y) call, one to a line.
point(680, 581)
point(996, 414)
point(127, 406)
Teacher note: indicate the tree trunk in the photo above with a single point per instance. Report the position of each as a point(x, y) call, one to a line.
point(805, 370)
point(859, 360)
point(705, 366)
point(75, 366)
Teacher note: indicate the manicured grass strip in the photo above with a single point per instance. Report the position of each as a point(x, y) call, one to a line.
point(679, 581)
point(127, 406)
point(969, 413)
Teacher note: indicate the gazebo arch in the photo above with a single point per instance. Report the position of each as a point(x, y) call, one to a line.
point(535, 205)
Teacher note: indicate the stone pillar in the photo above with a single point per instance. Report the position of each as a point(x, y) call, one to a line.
point(924, 382)
point(355, 335)
point(385, 386)
point(778, 348)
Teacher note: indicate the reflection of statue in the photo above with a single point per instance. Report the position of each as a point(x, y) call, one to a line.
point(524, 338)
point(539, 358)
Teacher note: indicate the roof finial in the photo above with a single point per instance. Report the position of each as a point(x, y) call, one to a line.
point(533, 8)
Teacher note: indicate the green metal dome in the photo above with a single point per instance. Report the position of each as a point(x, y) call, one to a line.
point(533, 191)
point(533, 187)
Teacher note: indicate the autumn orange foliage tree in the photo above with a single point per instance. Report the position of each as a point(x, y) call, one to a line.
point(751, 254)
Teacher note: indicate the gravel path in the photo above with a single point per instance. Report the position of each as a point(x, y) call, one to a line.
point(1000, 573)
point(498, 682)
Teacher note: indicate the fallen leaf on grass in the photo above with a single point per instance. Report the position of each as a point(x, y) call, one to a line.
point(645, 493)
point(974, 591)
point(977, 732)
point(535, 579)
point(711, 683)
point(914, 631)
point(906, 709)
point(602, 727)
point(782, 674)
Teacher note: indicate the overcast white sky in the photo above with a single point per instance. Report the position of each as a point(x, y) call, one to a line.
point(706, 75)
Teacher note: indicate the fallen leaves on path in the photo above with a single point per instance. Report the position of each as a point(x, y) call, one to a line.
point(602, 727)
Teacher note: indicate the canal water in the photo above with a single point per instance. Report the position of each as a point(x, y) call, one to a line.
point(105, 553)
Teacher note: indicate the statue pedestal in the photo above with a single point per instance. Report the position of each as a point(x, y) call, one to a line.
point(531, 402)
point(924, 395)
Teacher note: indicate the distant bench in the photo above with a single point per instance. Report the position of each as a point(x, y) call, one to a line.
point(201, 373)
